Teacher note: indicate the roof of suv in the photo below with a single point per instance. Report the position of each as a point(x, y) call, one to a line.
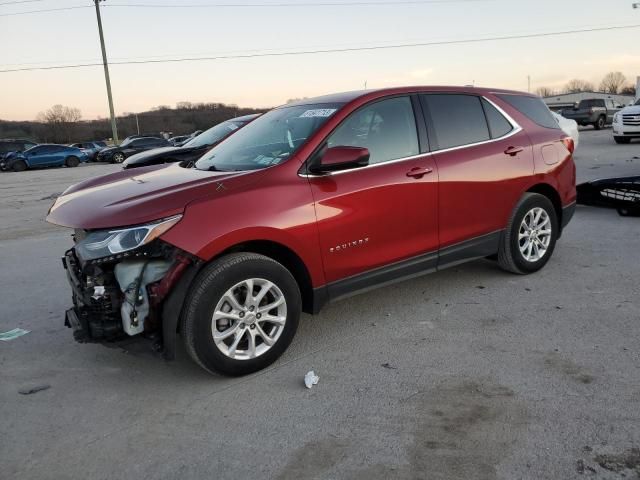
point(346, 97)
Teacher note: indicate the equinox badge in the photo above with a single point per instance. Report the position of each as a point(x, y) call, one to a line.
point(344, 246)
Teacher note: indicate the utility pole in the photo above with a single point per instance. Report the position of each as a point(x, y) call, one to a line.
point(137, 124)
point(529, 83)
point(114, 128)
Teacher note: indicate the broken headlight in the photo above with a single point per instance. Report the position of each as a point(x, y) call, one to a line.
point(106, 243)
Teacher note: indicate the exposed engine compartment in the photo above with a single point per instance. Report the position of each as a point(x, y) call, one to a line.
point(120, 298)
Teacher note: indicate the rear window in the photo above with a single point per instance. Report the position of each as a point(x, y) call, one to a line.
point(594, 102)
point(534, 109)
point(457, 119)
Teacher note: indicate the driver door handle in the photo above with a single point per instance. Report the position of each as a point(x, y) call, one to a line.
point(419, 172)
point(513, 151)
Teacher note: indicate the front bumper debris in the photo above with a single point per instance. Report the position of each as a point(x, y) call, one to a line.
point(622, 193)
point(121, 301)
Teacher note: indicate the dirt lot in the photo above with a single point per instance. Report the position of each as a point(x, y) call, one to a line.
point(470, 373)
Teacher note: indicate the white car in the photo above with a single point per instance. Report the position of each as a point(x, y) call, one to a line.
point(568, 126)
point(626, 123)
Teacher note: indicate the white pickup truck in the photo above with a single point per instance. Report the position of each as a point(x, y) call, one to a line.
point(626, 123)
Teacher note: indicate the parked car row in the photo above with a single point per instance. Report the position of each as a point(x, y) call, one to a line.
point(43, 155)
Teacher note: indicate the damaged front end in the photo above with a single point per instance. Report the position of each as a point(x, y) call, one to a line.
point(621, 193)
point(120, 280)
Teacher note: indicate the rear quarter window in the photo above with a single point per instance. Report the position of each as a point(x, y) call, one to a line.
point(533, 108)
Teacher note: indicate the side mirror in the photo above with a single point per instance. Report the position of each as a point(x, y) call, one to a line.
point(341, 158)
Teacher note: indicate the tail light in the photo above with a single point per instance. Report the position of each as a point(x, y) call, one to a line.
point(568, 142)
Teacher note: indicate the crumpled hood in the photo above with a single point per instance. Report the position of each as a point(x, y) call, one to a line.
point(133, 197)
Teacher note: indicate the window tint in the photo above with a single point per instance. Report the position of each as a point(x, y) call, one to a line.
point(533, 107)
point(387, 128)
point(457, 119)
point(498, 125)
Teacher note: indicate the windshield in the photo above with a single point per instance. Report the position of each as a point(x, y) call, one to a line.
point(268, 140)
point(214, 134)
point(638, 102)
point(127, 141)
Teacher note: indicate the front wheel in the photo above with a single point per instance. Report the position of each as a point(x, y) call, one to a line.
point(242, 314)
point(72, 162)
point(530, 237)
point(600, 123)
point(19, 166)
point(118, 157)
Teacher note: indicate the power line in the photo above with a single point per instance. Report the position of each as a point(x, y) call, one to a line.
point(334, 50)
point(44, 10)
point(241, 5)
point(20, 1)
point(290, 4)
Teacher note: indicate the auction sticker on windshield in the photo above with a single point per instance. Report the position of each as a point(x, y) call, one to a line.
point(318, 112)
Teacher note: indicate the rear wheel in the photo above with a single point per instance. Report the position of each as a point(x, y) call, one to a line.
point(118, 157)
point(242, 314)
point(530, 237)
point(622, 139)
point(600, 123)
point(72, 161)
point(19, 166)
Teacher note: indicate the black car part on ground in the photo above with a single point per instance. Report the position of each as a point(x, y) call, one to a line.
point(621, 193)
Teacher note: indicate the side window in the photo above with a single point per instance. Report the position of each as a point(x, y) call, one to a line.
point(138, 142)
point(498, 125)
point(533, 108)
point(387, 128)
point(457, 119)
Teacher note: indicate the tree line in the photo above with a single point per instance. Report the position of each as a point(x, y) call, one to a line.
point(613, 83)
point(62, 124)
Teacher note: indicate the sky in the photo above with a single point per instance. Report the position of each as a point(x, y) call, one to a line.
point(70, 36)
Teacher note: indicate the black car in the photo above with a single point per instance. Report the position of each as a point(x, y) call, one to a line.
point(130, 147)
point(14, 145)
point(193, 149)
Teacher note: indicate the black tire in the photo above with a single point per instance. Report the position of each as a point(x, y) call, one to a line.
point(510, 258)
point(210, 286)
point(118, 157)
point(600, 123)
point(622, 140)
point(19, 166)
point(72, 161)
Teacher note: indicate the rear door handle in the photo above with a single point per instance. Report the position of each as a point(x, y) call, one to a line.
point(513, 151)
point(419, 172)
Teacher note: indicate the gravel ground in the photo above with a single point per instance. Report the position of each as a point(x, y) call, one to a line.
point(470, 373)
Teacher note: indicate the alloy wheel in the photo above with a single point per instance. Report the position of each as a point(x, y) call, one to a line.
point(534, 235)
point(249, 319)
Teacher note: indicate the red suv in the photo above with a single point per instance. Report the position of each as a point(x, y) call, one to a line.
point(312, 202)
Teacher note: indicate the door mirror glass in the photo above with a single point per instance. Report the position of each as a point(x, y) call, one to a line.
point(341, 158)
